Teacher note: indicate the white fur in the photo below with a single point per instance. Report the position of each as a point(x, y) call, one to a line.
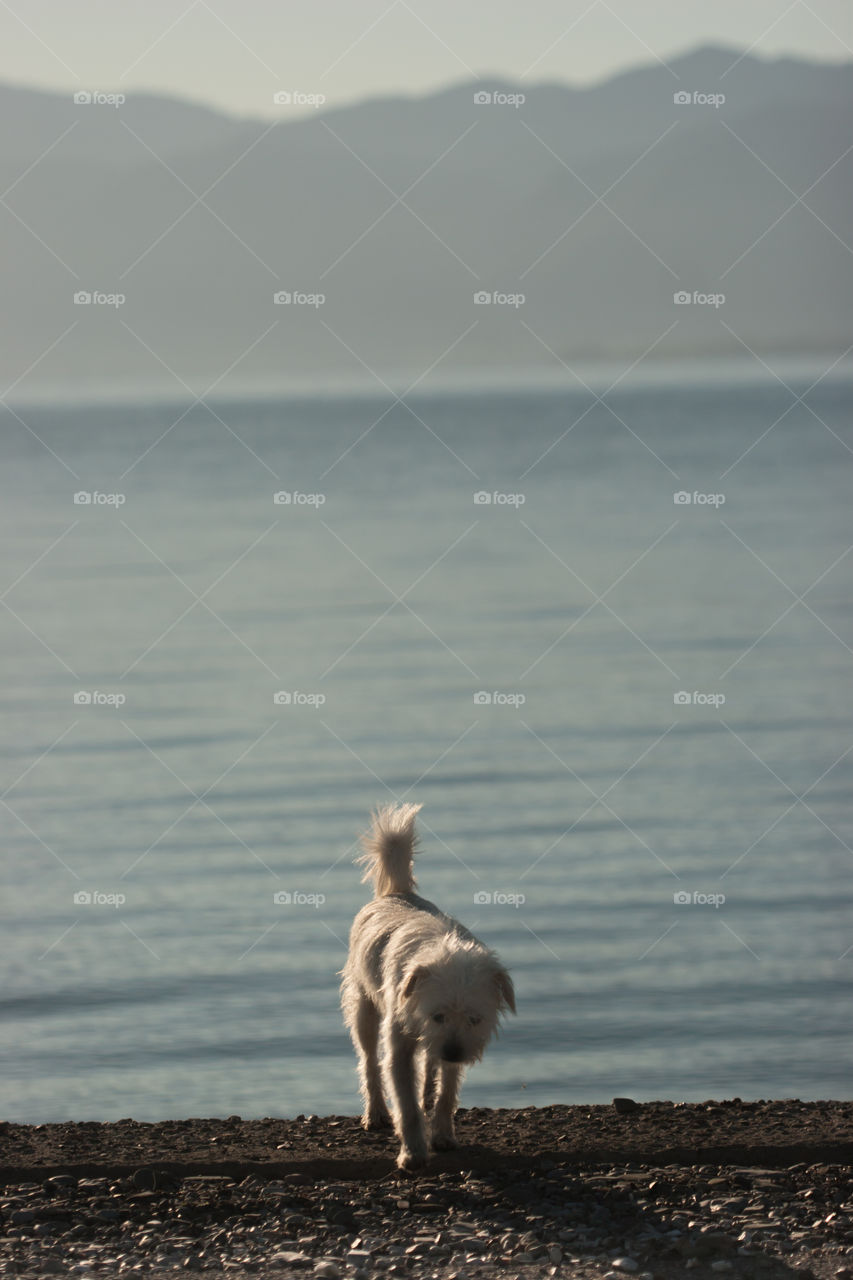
point(419, 993)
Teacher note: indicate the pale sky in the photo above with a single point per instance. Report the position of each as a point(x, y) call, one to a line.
point(235, 54)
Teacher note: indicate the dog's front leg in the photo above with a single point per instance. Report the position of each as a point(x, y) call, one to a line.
point(400, 1058)
point(443, 1133)
point(428, 1083)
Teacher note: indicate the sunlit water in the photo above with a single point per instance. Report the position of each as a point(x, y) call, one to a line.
point(561, 816)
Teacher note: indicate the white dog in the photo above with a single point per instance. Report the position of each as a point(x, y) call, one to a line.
point(419, 980)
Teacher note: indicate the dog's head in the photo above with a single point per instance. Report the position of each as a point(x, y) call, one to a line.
point(455, 999)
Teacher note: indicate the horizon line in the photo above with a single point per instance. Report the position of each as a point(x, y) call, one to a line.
point(449, 86)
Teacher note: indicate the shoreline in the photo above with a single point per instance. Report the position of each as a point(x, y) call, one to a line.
point(725, 1132)
point(752, 1189)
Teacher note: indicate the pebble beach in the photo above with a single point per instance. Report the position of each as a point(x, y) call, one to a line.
point(654, 1190)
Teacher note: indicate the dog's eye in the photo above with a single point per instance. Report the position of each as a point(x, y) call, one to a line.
point(474, 1019)
point(438, 1017)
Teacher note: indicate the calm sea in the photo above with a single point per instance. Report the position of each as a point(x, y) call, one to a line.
point(606, 642)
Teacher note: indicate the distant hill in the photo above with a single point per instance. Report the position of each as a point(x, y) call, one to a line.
point(597, 205)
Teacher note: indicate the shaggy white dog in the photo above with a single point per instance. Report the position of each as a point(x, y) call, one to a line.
point(420, 983)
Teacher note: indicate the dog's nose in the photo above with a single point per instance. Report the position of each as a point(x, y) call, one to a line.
point(452, 1052)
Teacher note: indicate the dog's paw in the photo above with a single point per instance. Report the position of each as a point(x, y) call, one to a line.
point(444, 1141)
point(376, 1120)
point(411, 1158)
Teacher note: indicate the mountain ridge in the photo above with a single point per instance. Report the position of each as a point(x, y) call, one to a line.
point(596, 203)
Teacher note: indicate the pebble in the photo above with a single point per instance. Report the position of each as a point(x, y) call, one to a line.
point(555, 1218)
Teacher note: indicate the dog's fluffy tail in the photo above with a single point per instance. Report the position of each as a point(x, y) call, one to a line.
point(389, 849)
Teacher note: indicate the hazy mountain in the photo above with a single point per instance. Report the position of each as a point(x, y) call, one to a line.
point(596, 204)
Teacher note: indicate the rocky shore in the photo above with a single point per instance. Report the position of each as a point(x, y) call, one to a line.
point(663, 1190)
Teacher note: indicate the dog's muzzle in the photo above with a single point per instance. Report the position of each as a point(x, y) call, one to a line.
point(452, 1052)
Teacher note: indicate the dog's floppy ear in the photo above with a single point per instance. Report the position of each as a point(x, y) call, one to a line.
point(413, 977)
point(506, 991)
